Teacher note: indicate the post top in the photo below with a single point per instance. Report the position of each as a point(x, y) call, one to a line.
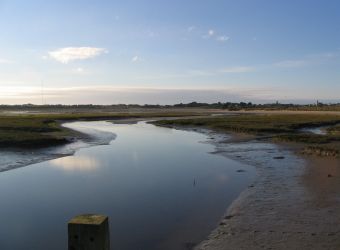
point(88, 219)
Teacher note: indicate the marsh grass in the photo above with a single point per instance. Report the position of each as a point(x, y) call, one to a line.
point(278, 127)
point(271, 123)
point(41, 130)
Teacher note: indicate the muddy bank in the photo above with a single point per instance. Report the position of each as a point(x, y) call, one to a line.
point(321, 151)
point(293, 204)
point(11, 158)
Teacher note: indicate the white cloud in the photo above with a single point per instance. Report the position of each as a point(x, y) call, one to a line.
point(136, 59)
point(309, 60)
point(291, 63)
point(324, 56)
point(5, 61)
point(199, 73)
point(191, 29)
point(223, 38)
point(113, 95)
point(79, 70)
point(241, 69)
point(68, 54)
point(109, 95)
point(210, 34)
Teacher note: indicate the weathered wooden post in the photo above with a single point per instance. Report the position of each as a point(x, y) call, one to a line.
point(89, 232)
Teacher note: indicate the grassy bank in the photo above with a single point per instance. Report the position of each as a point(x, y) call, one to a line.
point(282, 127)
point(42, 130)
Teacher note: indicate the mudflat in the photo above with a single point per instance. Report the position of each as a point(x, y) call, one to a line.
point(292, 206)
point(294, 202)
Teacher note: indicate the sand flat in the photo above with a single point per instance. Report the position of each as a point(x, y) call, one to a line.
point(294, 204)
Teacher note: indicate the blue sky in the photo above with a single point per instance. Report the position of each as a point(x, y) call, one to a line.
point(150, 51)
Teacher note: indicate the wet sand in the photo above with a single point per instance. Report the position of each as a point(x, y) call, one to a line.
point(293, 204)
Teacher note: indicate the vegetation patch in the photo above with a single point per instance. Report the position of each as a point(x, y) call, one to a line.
point(279, 127)
point(322, 151)
point(42, 130)
point(270, 123)
point(334, 130)
point(306, 138)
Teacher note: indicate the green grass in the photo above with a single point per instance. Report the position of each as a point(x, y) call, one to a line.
point(279, 127)
point(334, 130)
point(271, 123)
point(306, 138)
point(41, 130)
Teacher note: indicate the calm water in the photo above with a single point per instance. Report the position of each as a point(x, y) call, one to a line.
point(143, 180)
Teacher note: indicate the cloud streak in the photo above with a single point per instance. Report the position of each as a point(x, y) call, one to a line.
point(69, 54)
point(212, 34)
point(136, 59)
point(308, 60)
point(240, 69)
point(135, 95)
point(116, 95)
point(5, 61)
point(291, 63)
point(209, 34)
point(223, 38)
point(201, 73)
point(191, 29)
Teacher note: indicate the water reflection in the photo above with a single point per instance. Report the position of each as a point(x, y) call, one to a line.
point(161, 188)
point(76, 163)
point(223, 178)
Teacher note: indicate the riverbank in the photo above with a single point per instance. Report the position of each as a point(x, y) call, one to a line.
point(28, 138)
point(293, 204)
point(132, 171)
point(12, 158)
point(33, 131)
point(275, 127)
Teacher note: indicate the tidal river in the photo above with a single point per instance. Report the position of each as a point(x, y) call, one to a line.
point(161, 188)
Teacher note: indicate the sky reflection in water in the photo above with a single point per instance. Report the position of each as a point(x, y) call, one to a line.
point(160, 187)
point(76, 163)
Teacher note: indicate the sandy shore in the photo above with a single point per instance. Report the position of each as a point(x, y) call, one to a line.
point(293, 204)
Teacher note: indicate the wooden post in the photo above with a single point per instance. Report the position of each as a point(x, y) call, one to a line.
point(89, 232)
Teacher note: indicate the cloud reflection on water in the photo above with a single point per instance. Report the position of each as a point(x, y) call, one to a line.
point(76, 163)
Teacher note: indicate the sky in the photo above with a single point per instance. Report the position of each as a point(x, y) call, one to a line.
point(164, 52)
